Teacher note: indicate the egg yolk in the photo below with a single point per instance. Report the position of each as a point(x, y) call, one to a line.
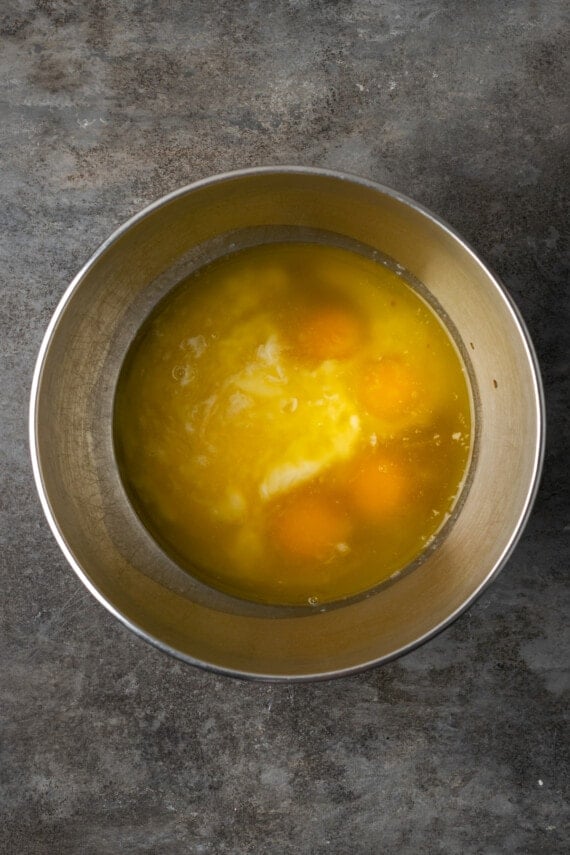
point(328, 333)
point(379, 488)
point(310, 527)
point(389, 388)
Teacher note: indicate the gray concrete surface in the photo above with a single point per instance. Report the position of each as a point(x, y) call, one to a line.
point(108, 746)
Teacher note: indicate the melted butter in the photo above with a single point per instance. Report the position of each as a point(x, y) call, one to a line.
point(293, 423)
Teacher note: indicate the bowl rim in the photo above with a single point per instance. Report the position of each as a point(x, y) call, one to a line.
point(516, 317)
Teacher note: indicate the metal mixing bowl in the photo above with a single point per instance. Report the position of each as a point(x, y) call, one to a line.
point(72, 441)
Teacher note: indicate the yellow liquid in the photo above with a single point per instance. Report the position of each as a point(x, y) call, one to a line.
point(293, 423)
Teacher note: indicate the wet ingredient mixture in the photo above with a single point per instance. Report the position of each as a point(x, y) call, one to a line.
point(293, 423)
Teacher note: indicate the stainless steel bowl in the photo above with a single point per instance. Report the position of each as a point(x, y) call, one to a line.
point(72, 445)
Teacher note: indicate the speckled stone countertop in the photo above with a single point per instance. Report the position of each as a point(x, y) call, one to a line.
point(109, 746)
